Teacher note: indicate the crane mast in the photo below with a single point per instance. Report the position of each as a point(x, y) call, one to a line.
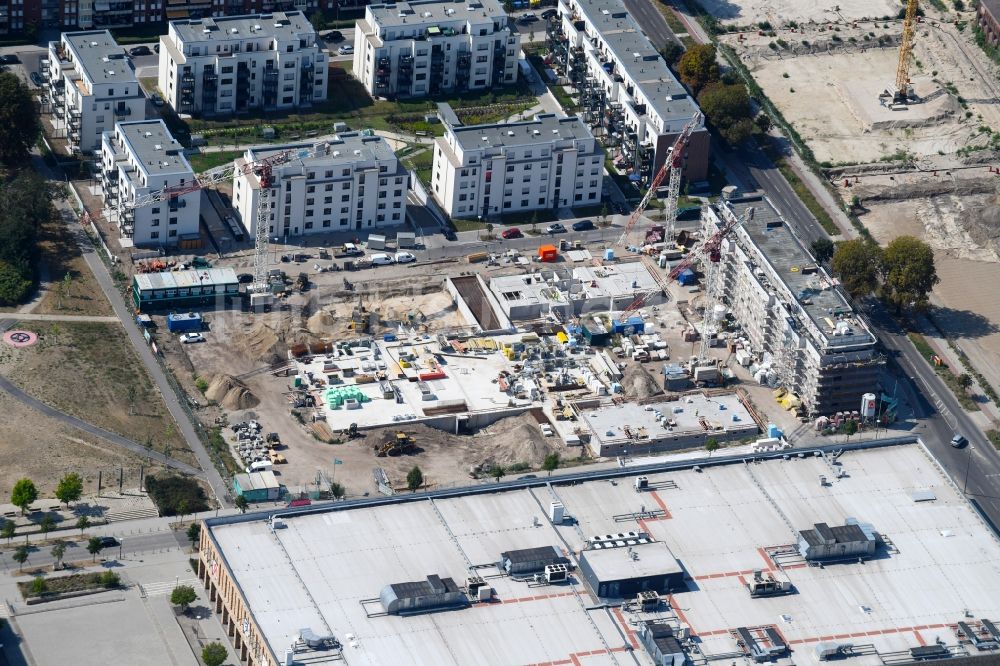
point(902, 92)
point(672, 166)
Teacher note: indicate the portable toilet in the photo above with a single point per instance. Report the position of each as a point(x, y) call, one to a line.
point(773, 431)
point(548, 253)
point(609, 254)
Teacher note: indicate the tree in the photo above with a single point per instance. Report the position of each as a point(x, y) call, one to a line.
point(23, 494)
point(94, 546)
point(849, 428)
point(14, 287)
point(965, 381)
point(130, 396)
point(698, 67)
point(8, 530)
point(822, 249)
point(909, 273)
point(82, 523)
point(337, 490)
point(57, 552)
point(498, 472)
point(672, 52)
point(317, 20)
point(110, 579)
point(214, 654)
point(182, 508)
point(711, 445)
point(20, 127)
point(857, 263)
point(763, 122)
point(550, 463)
point(414, 479)
point(194, 533)
point(20, 556)
point(241, 503)
point(47, 524)
point(70, 488)
point(727, 107)
point(183, 596)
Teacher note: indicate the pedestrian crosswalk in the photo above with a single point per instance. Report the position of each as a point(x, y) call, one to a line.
point(166, 587)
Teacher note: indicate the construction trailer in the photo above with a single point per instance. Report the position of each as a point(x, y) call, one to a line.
point(184, 290)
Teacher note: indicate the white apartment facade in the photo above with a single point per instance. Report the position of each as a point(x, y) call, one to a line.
point(92, 86)
point(548, 162)
point(629, 95)
point(139, 158)
point(231, 65)
point(353, 182)
point(792, 313)
point(414, 49)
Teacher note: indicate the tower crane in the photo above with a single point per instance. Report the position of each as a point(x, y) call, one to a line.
point(260, 291)
point(901, 93)
point(672, 166)
point(710, 249)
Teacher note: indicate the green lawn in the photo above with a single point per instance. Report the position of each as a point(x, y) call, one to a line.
point(422, 162)
point(347, 101)
point(205, 161)
point(148, 83)
point(944, 372)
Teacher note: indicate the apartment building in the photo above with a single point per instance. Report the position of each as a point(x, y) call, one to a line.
point(92, 86)
point(230, 65)
point(350, 183)
point(548, 162)
point(16, 15)
point(629, 95)
point(801, 328)
point(139, 158)
point(414, 49)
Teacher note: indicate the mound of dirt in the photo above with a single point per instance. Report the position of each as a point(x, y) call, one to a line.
point(320, 322)
point(638, 384)
point(231, 393)
point(515, 441)
point(261, 343)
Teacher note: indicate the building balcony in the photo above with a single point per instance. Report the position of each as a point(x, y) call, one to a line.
point(187, 78)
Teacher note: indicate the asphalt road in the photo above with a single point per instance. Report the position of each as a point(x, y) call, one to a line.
point(652, 22)
point(77, 550)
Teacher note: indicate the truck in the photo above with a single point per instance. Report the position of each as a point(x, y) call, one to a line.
point(348, 250)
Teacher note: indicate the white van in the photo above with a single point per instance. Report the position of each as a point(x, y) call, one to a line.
point(261, 466)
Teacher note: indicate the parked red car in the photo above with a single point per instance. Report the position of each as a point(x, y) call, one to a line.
point(513, 232)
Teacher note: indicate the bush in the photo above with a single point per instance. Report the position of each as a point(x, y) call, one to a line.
point(176, 495)
point(110, 579)
point(39, 586)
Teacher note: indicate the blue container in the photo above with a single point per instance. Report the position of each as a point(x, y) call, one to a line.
point(609, 254)
point(178, 322)
point(686, 277)
point(772, 431)
point(389, 337)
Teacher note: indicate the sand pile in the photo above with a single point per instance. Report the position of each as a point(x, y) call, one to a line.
point(231, 393)
point(261, 343)
point(320, 322)
point(638, 384)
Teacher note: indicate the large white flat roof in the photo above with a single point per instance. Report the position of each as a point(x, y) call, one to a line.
point(721, 523)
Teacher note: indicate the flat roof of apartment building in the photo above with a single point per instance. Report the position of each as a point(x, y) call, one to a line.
point(324, 568)
point(346, 150)
point(545, 128)
point(152, 145)
point(810, 286)
point(423, 12)
point(587, 282)
point(279, 25)
point(640, 60)
point(100, 57)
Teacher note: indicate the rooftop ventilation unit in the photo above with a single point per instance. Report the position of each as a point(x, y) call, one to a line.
point(157, 147)
point(510, 132)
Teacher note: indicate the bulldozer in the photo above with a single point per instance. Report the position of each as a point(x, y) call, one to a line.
point(401, 443)
point(352, 432)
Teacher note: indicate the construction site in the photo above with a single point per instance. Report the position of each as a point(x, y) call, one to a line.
point(925, 165)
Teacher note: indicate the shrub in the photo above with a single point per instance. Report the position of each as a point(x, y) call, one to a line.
point(110, 579)
point(39, 586)
point(174, 495)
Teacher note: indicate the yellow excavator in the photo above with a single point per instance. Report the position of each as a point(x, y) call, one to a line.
point(398, 445)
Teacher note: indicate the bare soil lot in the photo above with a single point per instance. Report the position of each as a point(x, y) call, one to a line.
point(43, 450)
point(777, 12)
point(828, 86)
point(80, 294)
point(90, 370)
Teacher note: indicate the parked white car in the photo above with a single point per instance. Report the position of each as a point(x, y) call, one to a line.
point(346, 49)
point(381, 260)
point(404, 258)
point(188, 338)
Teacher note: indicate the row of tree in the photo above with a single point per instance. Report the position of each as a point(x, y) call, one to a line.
point(25, 199)
point(902, 274)
point(722, 98)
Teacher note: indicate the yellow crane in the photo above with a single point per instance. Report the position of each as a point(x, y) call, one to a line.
point(902, 92)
